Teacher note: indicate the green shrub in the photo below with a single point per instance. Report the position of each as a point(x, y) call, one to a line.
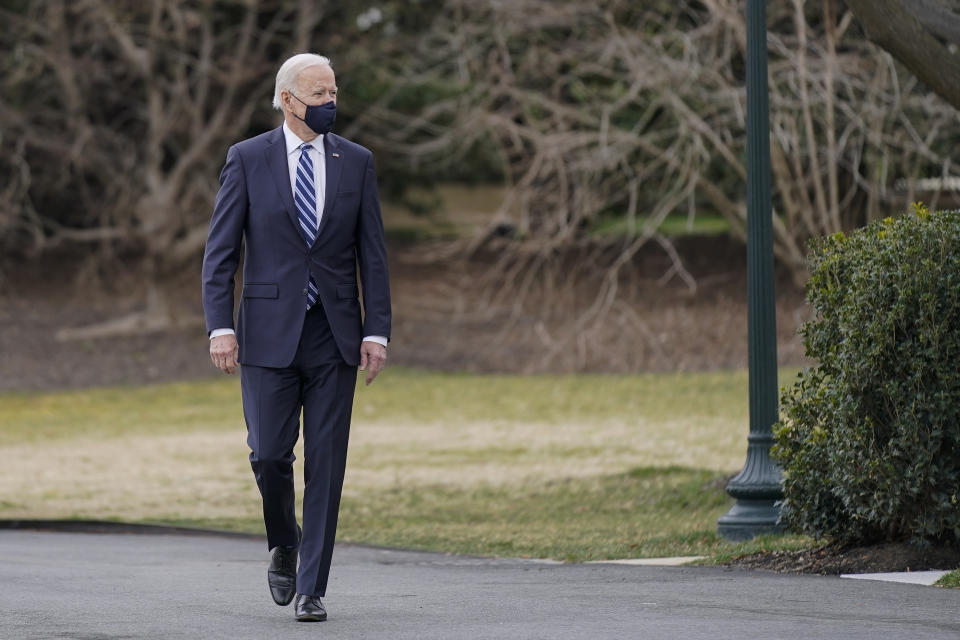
point(869, 436)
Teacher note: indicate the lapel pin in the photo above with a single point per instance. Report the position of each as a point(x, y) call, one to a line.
point(335, 155)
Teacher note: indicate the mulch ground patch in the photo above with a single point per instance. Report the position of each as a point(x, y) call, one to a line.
point(833, 560)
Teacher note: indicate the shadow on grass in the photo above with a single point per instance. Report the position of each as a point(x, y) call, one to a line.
point(645, 512)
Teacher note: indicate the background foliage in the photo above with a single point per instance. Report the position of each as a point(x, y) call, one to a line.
point(601, 123)
point(116, 114)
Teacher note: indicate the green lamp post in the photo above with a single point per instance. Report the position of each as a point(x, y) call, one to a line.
point(757, 487)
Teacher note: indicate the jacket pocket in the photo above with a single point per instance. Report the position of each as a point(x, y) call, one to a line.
point(346, 291)
point(261, 290)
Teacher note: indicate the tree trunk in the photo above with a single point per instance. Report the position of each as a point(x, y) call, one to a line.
point(895, 26)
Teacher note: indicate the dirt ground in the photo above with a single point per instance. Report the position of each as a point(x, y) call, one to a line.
point(444, 319)
point(880, 558)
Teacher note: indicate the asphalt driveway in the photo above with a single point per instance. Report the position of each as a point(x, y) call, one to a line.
point(104, 586)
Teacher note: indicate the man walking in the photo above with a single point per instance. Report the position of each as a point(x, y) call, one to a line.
point(304, 202)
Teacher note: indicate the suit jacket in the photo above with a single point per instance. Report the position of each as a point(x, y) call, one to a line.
point(255, 205)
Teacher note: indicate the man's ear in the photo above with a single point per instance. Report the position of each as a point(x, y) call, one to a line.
point(287, 99)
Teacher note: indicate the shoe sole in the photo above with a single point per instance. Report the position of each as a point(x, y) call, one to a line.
point(311, 618)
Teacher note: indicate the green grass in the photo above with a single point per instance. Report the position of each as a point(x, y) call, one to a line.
point(727, 551)
point(645, 512)
point(401, 395)
point(553, 398)
point(704, 224)
point(117, 411)
point(951, 580)
point(568, 467)
point(640, 513)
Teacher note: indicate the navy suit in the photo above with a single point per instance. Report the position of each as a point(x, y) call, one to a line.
point(293, 359)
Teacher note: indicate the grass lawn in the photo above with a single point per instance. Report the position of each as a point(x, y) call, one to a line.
point(673, 226)
point(567, 467)
point(951, 580)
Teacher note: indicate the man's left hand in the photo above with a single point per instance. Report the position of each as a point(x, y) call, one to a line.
point(373, 357)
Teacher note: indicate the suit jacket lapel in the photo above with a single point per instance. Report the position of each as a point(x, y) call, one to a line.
point(334, 163)
point(276, 154)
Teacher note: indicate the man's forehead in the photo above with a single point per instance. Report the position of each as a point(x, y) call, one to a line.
point(319, 74)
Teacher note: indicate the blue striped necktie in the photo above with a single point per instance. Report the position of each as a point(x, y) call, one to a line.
point(305, 196)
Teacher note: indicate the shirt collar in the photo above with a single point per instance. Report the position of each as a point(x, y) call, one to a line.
point(293, 141)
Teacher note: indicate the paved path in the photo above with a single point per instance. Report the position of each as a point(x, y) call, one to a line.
point(99, 587)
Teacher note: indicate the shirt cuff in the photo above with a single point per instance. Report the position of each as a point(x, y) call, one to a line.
point(227, 332)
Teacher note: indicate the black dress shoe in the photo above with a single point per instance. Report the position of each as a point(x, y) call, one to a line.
point(309, 609)
point(282, 574)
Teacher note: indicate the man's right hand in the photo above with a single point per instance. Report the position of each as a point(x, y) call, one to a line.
point(224, 353)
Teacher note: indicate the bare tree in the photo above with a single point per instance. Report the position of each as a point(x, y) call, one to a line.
point(636, 111)
point(133, 104)
point(610, 113)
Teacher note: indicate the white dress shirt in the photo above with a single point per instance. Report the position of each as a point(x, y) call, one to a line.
point(293, 142)
point(319, 164)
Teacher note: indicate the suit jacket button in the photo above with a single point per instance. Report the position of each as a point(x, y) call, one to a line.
point(304, 292)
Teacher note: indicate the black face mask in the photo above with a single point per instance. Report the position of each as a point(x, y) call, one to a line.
point(319, 117)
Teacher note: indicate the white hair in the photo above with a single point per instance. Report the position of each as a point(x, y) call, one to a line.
point(291, 70)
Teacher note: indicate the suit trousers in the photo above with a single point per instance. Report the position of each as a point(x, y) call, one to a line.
point(320, 384)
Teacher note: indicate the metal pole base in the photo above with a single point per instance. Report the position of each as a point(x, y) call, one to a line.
point(750, 518)
point(758, 492)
